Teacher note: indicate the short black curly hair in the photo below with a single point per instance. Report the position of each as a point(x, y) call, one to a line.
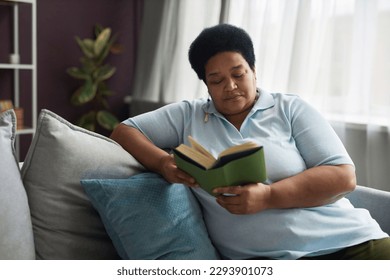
point(216, 39)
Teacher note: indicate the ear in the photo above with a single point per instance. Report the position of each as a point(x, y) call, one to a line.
point(254, 74)
point(254, 71)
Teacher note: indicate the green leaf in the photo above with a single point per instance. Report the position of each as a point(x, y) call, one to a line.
point(77, 73)
point(107, 93)
point(106, 49)
point(86, 47)
point(84, 94)
point(88, 65)
point(98, 29)
point(87, 121)
point(101, 41)
point(106, 120)
point(103, 73)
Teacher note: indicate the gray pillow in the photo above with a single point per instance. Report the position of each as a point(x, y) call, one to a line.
point(65, 224)
point(16, 237)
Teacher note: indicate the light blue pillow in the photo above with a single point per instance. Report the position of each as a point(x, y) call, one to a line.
point(149, 218)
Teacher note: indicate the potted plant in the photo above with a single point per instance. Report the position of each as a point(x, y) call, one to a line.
point(94, 72)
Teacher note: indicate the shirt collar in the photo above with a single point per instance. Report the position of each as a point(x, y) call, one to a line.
point(265, 101)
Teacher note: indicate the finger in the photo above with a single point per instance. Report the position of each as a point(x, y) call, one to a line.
point(233, 209)
point(186, 179)
point(228, 190)
point(229, 200)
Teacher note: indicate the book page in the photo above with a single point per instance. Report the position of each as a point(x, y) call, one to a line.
point(196, 156)
point(198, 147)
point(204, 158)
point(239, 148)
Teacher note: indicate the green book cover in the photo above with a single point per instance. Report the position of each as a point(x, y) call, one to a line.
point(238, 168)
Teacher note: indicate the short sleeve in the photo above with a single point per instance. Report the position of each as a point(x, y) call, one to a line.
point(163, 127)
point(315, 139)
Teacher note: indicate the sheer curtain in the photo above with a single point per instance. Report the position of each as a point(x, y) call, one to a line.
point(335, 54)
point(169, 26)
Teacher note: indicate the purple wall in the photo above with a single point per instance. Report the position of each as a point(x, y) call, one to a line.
point(58, 22)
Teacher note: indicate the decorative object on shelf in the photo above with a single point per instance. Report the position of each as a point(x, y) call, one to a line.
point(19, 112)
point(14, 58)
point(94, 72)
point(6, 105)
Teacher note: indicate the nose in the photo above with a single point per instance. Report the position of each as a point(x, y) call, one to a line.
point(230, 84)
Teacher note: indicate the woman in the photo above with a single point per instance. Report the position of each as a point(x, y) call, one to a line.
point(300, 211)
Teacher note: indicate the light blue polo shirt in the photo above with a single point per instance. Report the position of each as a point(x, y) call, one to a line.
point(295, 137)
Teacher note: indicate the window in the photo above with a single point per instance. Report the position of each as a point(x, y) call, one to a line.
point(334, 53)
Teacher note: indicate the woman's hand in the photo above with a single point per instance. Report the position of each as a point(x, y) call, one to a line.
point(248, 199)
point(313, 187)
point(173, 174)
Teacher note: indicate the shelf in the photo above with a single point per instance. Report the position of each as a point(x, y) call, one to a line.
point(17, 1)
point(16, 66)
point(25, 131)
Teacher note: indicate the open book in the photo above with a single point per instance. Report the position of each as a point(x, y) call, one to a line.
point(237, 165)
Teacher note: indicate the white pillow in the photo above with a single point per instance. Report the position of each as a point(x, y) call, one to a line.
point(16, 237)
point(66, 226)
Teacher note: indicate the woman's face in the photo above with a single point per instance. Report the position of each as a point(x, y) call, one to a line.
point(231, 83)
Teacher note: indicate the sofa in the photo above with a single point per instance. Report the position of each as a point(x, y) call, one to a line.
point(71, 200)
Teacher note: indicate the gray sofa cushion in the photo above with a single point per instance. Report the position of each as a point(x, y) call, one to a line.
point(16, 237)
point(374, 200)
point(65, 224)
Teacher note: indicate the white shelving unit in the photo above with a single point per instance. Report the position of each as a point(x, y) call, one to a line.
point(16, 67)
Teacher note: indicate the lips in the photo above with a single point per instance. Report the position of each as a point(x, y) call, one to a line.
point(232, 97)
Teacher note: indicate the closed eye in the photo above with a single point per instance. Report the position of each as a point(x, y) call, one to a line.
point(238, 75)
point(216, 82)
